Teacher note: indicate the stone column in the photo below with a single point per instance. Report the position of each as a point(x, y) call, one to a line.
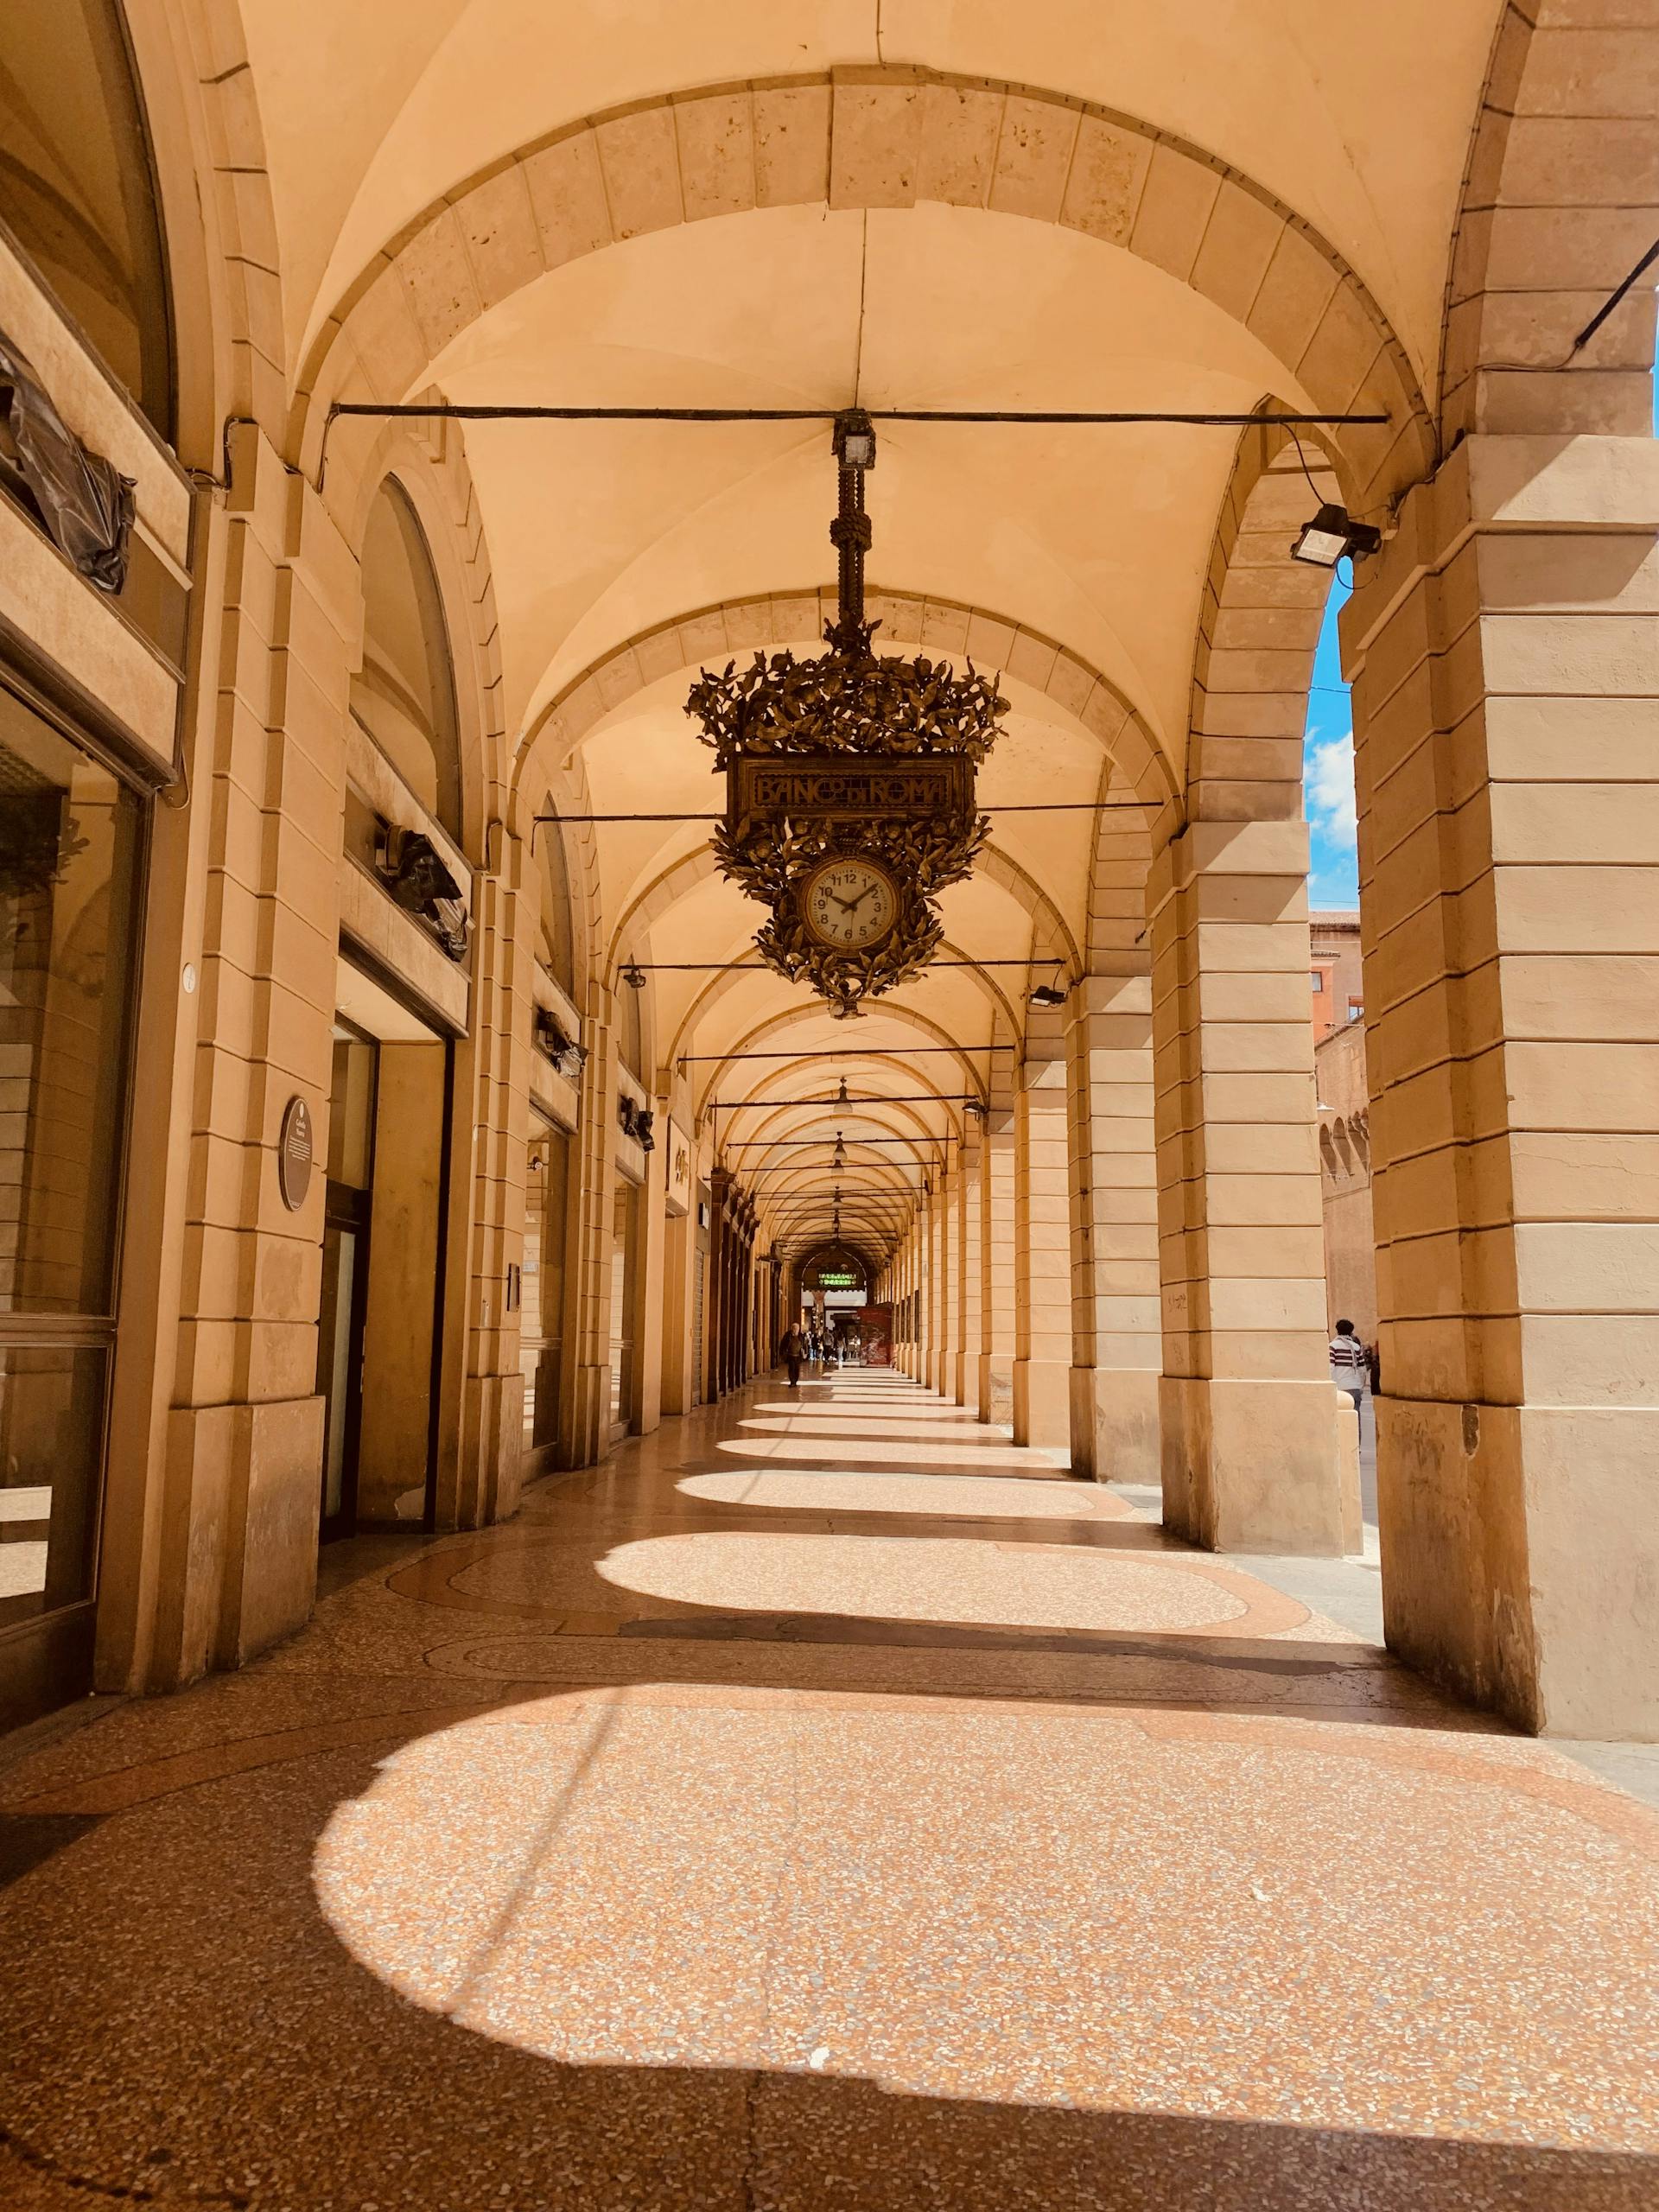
point(645, 1322)
point(1505, 655)
point(243, 1477)
point(680, 1307)
point(924, 1262)
point(938, 1271)
point(973, 1265)
point(1247, 1412)
point(585, 1378)
point(478, 1474)
point(1042, 1365)
point(1117, 1348)
point(997, 1330)
point(956, 1243)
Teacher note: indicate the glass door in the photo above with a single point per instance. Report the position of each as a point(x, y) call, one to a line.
point(346, 1272)
point(623, 1240)
point(541, 1319)
point(70, 839)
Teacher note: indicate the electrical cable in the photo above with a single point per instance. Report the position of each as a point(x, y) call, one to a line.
point(849, 1052)
point(1010, 806)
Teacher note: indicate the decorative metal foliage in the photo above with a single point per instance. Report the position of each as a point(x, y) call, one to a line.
point(850, 701)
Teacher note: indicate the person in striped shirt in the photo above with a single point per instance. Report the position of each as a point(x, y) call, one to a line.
point(1349, 1364)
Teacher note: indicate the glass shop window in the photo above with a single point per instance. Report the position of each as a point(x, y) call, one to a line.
point(69, 837)
point(70, 843)
point(77, 189)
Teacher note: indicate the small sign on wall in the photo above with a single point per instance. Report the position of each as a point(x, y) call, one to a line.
point(678, 1182)
point(294, 1155)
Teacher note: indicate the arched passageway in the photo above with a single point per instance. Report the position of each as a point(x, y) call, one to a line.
point(411, 1162)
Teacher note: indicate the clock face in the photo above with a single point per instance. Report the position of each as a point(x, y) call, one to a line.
point(849, 903)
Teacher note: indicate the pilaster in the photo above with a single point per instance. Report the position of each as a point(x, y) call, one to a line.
point(244, 1437)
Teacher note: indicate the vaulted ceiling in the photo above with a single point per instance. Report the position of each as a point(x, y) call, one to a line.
point(1039, 550)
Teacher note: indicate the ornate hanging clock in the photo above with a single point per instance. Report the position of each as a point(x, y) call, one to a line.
point(849, 792)
point(849, 903)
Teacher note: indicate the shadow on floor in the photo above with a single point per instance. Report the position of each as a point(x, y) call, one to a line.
point(228, 2051)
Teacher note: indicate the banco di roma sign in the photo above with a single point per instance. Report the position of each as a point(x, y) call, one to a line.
point(836, 787)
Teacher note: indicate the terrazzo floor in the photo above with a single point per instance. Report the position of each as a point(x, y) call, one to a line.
point(824, 1806)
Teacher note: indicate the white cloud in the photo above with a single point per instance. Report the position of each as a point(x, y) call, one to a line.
point(1330, 791)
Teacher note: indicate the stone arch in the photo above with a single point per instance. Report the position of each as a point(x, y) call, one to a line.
point(433, 474)
point(903, 1107)
point(720, 985)
point(1259, 626)
point(876, 137)
point(1558, 202)
point(1117, 881)
point(405, 689)
point(793, 1017)
point(778, 1138)
point(766, 619)
point(219, 220)
point(672, 883)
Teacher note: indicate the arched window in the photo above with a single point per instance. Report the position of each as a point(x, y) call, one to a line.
point(76, 186)
point(404, 694)
point(558, 917)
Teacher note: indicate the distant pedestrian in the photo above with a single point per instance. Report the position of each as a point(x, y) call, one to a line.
point(1349, 1365)
point(793, 1349)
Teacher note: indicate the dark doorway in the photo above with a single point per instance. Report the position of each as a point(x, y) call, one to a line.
point(344, 1304)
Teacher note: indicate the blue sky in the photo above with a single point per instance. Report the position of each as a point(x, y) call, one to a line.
point(1328, 771)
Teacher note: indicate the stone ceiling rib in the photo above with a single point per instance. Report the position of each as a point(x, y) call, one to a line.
point(946, 626)
point(875, 138)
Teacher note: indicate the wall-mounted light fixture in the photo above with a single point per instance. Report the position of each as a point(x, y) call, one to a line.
point(568, 1056)
point(1333, 535)
point(1049, 995)
point(410, 867)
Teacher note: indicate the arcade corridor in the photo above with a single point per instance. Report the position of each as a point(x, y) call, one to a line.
point(955, 1837)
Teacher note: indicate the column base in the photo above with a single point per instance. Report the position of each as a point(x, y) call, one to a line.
point(1115, 1425)
point(995, 1388)
point(1251, 1465)
point(1042, 1404)
point(1521, 1559)
point(586, 1440)
point(248, 1480)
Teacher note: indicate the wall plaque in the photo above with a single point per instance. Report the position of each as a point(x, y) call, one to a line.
point(294, 1155)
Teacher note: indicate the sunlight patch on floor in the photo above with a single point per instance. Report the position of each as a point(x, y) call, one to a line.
point(924, 1578)
point(1179, 1913)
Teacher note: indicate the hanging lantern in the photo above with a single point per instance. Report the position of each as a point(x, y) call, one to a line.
point(849, 792)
